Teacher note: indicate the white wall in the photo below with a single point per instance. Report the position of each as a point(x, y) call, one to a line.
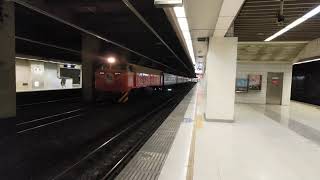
point(45, 74)
point(23, 72)
point(221, 75)
point(259, 97)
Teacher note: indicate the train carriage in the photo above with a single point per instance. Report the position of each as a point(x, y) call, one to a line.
point(118, 79)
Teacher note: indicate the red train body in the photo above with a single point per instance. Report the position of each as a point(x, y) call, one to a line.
point(121, 78)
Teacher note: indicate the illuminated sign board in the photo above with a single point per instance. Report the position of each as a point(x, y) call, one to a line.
point(199, 68)
point(168, 3)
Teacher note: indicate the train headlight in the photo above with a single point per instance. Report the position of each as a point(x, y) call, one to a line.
point(111, 60)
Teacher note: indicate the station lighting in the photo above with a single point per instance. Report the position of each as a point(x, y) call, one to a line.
point(42, 60)
point(111, 60)
point(31, 59)
point(184, 27)
point(295, 23)
point(313, 60)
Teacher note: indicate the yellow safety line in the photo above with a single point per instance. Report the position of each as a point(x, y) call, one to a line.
point(199, 121)
point(198, 124)
point(190, 168)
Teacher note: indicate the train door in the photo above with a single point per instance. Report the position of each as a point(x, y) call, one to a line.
point(274, 88)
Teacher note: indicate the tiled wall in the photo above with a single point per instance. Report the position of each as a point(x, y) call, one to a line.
point(259, 97)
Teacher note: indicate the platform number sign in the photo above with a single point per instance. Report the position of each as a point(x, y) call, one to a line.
point(168, 3)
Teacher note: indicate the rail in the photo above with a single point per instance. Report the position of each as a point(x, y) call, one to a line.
point(116, 137)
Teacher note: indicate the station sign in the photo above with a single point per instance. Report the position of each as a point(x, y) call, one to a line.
point(168, 3)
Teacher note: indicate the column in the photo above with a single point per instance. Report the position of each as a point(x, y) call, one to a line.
point(90, 51)
point(221, 75)
point(7, 69)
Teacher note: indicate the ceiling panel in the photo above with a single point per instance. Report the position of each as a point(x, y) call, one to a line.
point(257, 20)
point(269, 52)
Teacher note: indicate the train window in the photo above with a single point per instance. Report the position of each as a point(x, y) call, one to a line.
point(104, 67)
point(122, 67)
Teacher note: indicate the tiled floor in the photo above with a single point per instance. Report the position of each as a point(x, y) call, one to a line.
point(302, 118)
point(265, 143)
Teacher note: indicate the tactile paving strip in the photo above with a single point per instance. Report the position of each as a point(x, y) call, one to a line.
point(148, 162)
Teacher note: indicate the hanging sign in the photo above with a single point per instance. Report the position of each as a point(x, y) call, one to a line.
point(168, 3)
point(275, 81)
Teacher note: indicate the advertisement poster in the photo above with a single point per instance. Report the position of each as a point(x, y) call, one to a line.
point(255, 82)
point(241, 85)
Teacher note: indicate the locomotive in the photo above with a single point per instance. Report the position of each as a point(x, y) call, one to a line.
point(117, 78)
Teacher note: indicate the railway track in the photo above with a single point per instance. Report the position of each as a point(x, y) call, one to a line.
point(82, 143)
point(27, 105)
point(107, 159)
point(37, 123)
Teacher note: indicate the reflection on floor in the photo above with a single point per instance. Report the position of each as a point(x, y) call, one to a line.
point(265, 143)
point(302, 118)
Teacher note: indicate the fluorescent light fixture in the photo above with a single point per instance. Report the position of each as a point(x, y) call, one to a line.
point(168, 3)
point(313, 60)
point(295, 23)
point(42, 60)
point(179, 11)
point(31, 59)
point(184, 27)
point(183, 23)
point(186, 35)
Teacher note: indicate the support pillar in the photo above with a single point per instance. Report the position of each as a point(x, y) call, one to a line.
point(90, 51)
point(7, 69)
point(221, 75)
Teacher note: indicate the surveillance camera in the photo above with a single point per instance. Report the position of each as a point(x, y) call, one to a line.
point(280, 19)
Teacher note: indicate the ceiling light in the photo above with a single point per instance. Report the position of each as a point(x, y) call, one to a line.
point(313, 60)
point(183, 23)
point(186, 35)
point(179, 11)
point(24, 58)
point(184, 27)
point(295, 23)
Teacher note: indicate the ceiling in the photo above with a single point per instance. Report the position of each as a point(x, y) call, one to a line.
point(257, 20)
point(208, 18)
point(202, 18)
point(269, 52)
point(254, 21)
point(149, 40)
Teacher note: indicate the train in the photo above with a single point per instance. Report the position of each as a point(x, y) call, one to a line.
point(118, 79)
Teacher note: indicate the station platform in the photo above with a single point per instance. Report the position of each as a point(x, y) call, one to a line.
point(266, 142)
